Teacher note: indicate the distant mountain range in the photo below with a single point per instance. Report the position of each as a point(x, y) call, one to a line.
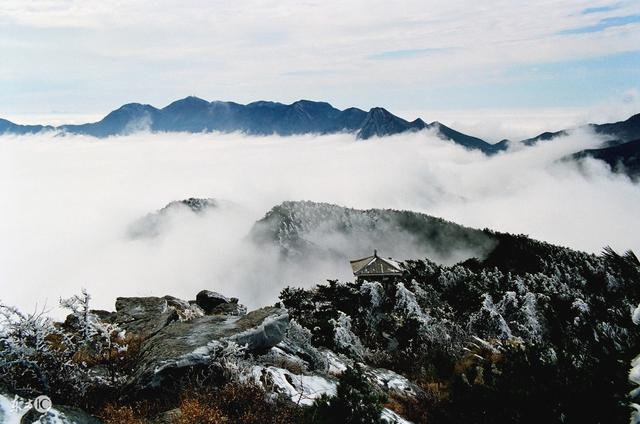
point(193, 114)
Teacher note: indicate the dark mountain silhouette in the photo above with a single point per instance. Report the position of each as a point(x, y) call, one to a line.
point(380, 122)
point(623, 158)
point(621, 132)
point(620, 148)
point(545, 136)
point(616, 132)
point(467, 140)
point(193, 114)
point(11, 128)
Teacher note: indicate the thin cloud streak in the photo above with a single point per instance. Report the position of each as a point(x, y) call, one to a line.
point(601, 9)
point(604, 24)
point(408, 53)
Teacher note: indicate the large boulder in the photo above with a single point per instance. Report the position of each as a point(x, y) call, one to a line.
point(214, 303)
point(208, 300)
point(143, 316)
point(184, 345)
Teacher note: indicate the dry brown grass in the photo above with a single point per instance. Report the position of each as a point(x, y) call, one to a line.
point(237, 403)
point(414, 410)
point(114, 414)
point(196, 410)
point(111, 357)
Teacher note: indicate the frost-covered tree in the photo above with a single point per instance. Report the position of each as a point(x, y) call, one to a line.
point(298, 339)
point(32, 351)
point(99, 342)
point(488, 321)
point(406, 303)
point(345, 340)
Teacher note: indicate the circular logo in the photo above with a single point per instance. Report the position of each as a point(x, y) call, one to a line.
point(42, 404)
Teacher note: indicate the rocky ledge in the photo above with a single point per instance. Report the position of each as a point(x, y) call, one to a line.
point(176, 341)
point(175, 335)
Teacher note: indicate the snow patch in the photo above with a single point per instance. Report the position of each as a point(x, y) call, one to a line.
point(301, 389)
point(635, 317)
point(12, 411)
point(392, 381)
point(391, 417)
point(335, 364)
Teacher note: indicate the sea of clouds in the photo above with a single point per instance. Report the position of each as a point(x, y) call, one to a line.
point(67, 202)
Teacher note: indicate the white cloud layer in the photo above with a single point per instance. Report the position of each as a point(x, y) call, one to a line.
point(68, 201)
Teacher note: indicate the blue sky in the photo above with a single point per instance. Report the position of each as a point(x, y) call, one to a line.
point(87, 57)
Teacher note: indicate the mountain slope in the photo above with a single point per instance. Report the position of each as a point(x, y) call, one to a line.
point(615, 133)
point(621, 132)
point(321, 230)
point(530, 333)
point(623, 158)
point(380, 122)
point(467, 140)
point(127, 119)
point(8, 127)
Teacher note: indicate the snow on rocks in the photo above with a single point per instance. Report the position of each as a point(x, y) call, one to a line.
point(11, 412)
point(391, 417)
point(301, 389)
point(392, 382)
point(635, 316)
point(18, 410)
point(181, 345)
point(335, 364)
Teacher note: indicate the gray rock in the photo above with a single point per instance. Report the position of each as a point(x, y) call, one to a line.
point(143, 316)
point(264, 336)
point(231, 308)
point(209, 300)
point(184, 344)
point(174, 302)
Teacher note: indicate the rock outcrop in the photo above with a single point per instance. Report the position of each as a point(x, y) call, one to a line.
point(176, 335)
point(175, 342)
point(181, 345)
point(215, 303)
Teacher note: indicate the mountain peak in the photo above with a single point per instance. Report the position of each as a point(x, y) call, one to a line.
point(380, 112)
point(187, 102)
point(380, 122)
point(304, 102)
point(134, 107)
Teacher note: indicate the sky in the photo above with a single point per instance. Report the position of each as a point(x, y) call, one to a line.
point(499, 68)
